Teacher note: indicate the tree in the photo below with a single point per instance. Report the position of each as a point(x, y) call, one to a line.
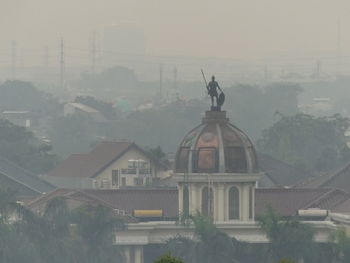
point(341, 247)
point(289, 238)
point(21, 147)
point(167, 258)
point(317, 144)
point(22, 95)
point(286, 260)
point(72, 134)
point(96, 226)
point(253, 108)
point(209, 244)
point(106, 109)
point(56, 235)
point(158, 154)
point(110, 83)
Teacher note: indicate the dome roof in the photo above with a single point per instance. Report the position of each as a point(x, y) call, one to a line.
point(216, 146)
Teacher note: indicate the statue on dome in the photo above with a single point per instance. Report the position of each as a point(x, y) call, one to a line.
point(212, 91)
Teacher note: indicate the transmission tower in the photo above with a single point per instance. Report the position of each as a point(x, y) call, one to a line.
point(93, 53)
point(62, 65)
point(13, 59)
point(46, 59)
point(160, 80)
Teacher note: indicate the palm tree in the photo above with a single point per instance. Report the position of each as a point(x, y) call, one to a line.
point(289, 237)
point(96, 226)
point(167, 258)
point(209, 244)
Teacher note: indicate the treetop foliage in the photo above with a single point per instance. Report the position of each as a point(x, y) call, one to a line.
point(57, 236)
point(167, 258)
point(21, 147)
point(289, 237)
point(317, 144)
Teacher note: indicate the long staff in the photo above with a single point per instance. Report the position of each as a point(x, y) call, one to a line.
point(205, 81)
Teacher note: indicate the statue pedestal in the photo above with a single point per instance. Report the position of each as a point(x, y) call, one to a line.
point(215, 108)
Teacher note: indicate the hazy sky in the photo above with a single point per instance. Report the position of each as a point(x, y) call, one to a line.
point(244, 29)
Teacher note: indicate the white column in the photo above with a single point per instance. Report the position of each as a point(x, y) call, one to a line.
point(253, 202)
point(126, 252)
point(138, 254)
point(194, 204)
point(245, 202)
point(221, 204)
point(180, 197)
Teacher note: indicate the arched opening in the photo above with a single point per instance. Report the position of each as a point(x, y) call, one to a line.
point(207, 202)
point(233, 202)
point(186, 201)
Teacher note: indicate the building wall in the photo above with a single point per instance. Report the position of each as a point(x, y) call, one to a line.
point(122, 163)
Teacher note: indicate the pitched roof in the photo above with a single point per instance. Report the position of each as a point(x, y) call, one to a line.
point(339, 179)
point(134, 199)
point(287, 201)
point(24, 177)
point(90, 164)
point(126, 200)
point(279, 173)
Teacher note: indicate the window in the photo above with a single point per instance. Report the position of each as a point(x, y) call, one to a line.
point(132, 164)
point(138, 181)
point(95, 183)
point(233, 202)
point(115, 177)
point(207, 202)
point(123, 181)
point(142, 164)
point(207, 160)
point(186, 202)
point(235, 159)
point(105, 184)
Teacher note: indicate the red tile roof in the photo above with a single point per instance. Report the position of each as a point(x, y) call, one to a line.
point(140, 199)
point(338, 179)
point(286, 201)
point(127, 200)
point(90, 164)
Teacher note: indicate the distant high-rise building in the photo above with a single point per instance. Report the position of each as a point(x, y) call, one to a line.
point(124, 39)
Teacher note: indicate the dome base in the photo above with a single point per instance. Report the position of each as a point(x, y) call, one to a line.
point(215, 116)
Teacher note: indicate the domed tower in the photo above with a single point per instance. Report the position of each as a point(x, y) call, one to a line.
point(216, 170)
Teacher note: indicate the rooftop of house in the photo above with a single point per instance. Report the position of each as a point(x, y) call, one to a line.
point(91, 164)
point(339, 179)
point(83, 107)
point(24, 177)
point(279, 173)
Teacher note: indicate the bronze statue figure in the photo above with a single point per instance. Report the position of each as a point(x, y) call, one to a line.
point(212, 86)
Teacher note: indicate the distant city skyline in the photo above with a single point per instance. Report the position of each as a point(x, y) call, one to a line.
point(236, 29)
